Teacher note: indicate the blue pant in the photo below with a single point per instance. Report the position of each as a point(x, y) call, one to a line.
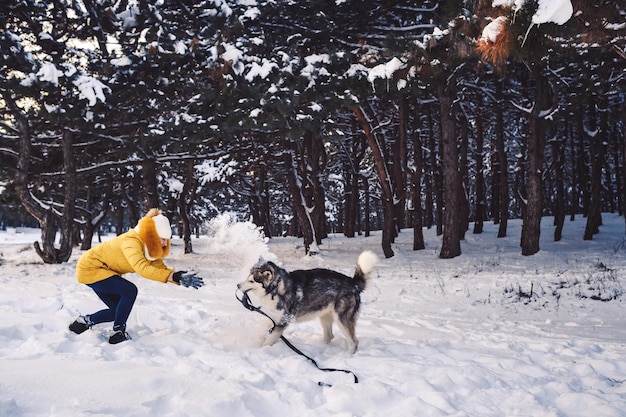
point(119, 295)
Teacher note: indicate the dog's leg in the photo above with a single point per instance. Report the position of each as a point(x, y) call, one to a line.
point(275, 335)
point(326, 321)
point(346, 314)
point(347, 328)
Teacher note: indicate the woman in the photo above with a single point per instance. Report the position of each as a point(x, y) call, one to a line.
point(139, 250)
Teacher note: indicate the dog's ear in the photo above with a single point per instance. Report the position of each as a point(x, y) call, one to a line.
point(259, 263)
point(264, 275)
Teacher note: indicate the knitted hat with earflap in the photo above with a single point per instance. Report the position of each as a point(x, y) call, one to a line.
point(151, 229)
point(162, 225)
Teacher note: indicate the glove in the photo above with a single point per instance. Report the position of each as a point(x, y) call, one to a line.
point(188, 279)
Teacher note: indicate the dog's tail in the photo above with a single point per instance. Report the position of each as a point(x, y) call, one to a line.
point(364, 267)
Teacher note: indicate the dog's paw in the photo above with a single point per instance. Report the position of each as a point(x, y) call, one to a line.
point(353, 346)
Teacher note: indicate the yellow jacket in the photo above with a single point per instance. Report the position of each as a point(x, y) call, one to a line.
point(138, 250)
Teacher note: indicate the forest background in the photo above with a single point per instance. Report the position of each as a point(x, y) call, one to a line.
point(311, 117)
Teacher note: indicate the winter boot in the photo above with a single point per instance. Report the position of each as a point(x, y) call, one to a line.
point(118, 336)
point(81, 324)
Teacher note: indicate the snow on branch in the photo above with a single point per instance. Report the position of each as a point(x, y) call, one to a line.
point(523, 109)
point(547, 114)
point(385, 71)
point(89, 88)
point(553, 11)
point(405, 28)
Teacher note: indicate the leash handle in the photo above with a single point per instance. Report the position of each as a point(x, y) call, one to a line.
point(245, 301)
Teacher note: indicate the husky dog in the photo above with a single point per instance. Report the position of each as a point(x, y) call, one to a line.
point(306, 294)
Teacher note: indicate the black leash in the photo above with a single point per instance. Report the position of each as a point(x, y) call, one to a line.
point(245, 301)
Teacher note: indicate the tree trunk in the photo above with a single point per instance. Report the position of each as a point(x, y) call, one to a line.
point(480, 180)
point(302, 212)
point(186, 197)
point(95, 210)
point(385, 181)
point(584, 161)
point(608, 188)
point(558, 154)
point(495, 177)
point(429, 179)
point(367, 211)
point(348, 219)
point(119, 219)
point(399, 164)
point(259, 199)
point(150, 186)
point(531, 226)
point(135, 208)
point(354, 155)
point(313, 165)
point(47, 250)
point(308, 161)
point(594, 220)
point(503, 180)
point(618, 143)
point(624, 161)
point(574, 172)
point(416, 195)
point(67, 217)
point(351, 191)
point(436, 178)
point(89, 229)
point(451, 243)
point(464, 209)
point(22, 174)
point(46, 216)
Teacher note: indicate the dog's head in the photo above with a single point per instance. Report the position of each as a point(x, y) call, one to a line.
point(264, 278)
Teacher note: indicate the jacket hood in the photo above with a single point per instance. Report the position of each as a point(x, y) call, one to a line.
point(148, 234)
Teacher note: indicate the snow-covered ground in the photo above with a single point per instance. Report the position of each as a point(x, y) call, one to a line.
point(490, 333)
